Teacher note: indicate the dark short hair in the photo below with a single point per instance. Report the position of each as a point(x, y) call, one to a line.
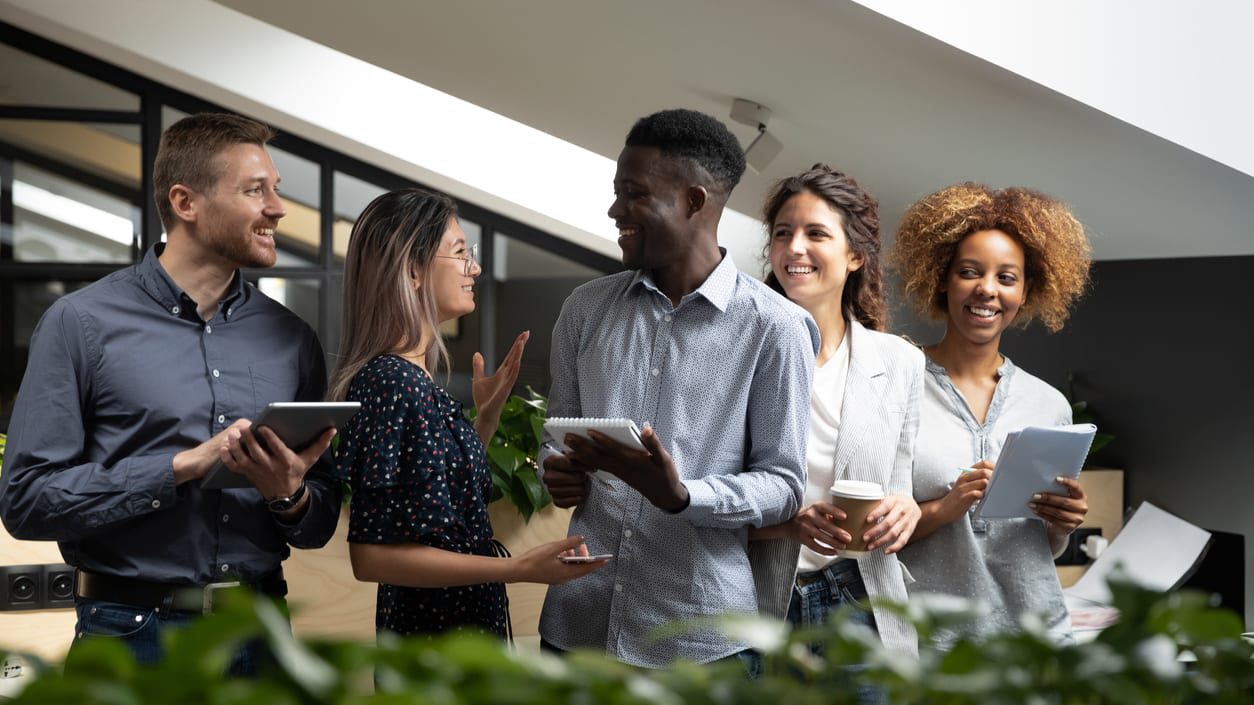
point(189, 151)
point(695, 136)
point(862, 299)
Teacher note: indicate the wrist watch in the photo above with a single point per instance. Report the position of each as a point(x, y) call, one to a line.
point(282, 504)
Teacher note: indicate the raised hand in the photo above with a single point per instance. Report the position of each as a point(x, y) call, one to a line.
point(490, 392)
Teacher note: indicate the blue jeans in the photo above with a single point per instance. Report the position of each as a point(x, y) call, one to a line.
point(815, 596)
point(140, 629)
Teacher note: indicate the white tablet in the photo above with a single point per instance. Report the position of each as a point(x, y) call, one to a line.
point(296, 423)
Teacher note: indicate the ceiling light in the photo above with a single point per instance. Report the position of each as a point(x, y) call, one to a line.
point(765, 146)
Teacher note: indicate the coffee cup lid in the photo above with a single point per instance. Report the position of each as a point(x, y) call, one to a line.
point(858, 489)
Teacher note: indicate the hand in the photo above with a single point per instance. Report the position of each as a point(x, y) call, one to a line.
point(273, 468)
point(541, 564)
point(1062, 513)
point(892, 523)
point(815, 528)
point(968, 489)
point(490, 392)
point(567, 480)
point(195, 463)
point(651, 471)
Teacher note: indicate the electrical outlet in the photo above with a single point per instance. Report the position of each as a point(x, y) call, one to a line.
point(36, 587)
point(58, 585)
point(21, 587)
point(1072, 555)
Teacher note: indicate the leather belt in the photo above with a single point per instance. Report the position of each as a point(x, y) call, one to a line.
point(164, 596)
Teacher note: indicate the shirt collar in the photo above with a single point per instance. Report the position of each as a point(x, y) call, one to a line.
point(157, 282)
point(717, 288)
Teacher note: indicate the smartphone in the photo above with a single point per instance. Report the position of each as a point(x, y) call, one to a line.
point(586, 559)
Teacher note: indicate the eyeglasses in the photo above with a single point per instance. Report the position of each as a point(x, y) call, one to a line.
point(471, 256)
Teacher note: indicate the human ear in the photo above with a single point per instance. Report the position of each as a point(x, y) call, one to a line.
point(182, 202)
point(697, 196)
point(855, 261)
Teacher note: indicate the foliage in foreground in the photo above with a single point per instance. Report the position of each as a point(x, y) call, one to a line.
point(1134, 662)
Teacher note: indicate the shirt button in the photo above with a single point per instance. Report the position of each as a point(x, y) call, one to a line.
point(156, 504)
point(208, 328)
point(175, 310)
point(221, 418)
point(226, 518)
point(627, 533)
point(225, 567)
point(655, 372)
point(216, 373)
point(618, 587)
point(667, 318)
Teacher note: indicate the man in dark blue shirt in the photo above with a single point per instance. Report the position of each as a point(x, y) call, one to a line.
point(140, 383)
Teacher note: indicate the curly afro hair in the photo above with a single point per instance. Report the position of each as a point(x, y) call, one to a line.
point(863, 297)
point(696, 136)
point(1056, 250)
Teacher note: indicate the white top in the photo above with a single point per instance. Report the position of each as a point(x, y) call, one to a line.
point(827, 396)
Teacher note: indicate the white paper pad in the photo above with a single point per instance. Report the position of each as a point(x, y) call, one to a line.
point(1156, 549)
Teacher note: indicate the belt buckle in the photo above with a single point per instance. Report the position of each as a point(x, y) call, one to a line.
point(207, 599)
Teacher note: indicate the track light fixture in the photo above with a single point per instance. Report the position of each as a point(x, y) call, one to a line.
point(765, 147)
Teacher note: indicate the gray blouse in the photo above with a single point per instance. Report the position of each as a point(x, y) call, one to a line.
point(1005, 564)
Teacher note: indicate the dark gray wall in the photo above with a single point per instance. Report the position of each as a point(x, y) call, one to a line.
point(1162, 351)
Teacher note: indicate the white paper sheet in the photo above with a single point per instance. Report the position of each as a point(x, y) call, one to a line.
point(1155, 549)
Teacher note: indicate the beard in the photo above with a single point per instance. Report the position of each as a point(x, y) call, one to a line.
point(244, 250)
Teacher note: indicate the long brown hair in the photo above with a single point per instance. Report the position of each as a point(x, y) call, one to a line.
point(862, 299)
point(396, 236)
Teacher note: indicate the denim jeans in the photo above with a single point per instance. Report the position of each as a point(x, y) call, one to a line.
point(817, 595)
point(140, 629)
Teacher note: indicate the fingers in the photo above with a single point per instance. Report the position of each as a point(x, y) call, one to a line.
point(982, 464)
point(568, 488)
point(476, 364)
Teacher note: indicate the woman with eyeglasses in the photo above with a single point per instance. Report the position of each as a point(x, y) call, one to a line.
point(418, 519)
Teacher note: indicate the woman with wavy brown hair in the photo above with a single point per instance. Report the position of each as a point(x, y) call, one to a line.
point(983, 260)
point(824, 254)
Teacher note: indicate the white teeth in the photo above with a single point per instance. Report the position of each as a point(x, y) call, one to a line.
point(798, 269)
point(626, 232)
point(468, 288)
point(982, 312)
point(265, 232)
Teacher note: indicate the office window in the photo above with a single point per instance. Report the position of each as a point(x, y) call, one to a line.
point(35, 81)
point(59, 219)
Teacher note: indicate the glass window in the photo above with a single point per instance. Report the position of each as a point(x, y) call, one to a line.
point(352, 195)
point(56, 219)
point(45, 84)
point(531, 285)
point(108, 152)
point(300, 231)
point(22, 303)
point(300, 296)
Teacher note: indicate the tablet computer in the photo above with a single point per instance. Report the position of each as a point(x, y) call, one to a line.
point(296, 423)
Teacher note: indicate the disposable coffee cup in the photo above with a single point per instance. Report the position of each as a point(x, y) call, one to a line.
point(858, 499)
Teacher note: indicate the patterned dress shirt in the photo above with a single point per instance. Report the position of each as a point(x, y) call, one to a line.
point(724, 378)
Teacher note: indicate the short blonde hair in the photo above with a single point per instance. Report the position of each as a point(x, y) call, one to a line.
point(1056, 250)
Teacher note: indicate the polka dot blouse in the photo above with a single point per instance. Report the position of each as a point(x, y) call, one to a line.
point(418, 474)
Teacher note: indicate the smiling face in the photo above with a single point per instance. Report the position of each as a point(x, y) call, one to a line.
point(810, 253)
point(650, 209)
point(236, 220)
point(452, 287)
point(985, 286)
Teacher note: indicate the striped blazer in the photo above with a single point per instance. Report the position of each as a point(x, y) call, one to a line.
point(879, 420)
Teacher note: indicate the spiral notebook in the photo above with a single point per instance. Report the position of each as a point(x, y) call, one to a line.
point(1029, 461)
point(622, 430)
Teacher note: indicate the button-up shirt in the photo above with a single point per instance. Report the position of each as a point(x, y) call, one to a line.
point(124, 374)
point(724, 378)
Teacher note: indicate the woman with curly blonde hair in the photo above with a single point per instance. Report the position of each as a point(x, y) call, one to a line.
point(983, 260)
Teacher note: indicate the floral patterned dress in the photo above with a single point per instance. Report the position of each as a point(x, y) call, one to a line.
point(418, 474)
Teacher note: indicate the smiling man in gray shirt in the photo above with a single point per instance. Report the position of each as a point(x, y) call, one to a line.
point(717, 365)
point(138, 384)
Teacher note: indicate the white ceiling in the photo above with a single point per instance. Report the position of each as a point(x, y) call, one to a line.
point(902, 112)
